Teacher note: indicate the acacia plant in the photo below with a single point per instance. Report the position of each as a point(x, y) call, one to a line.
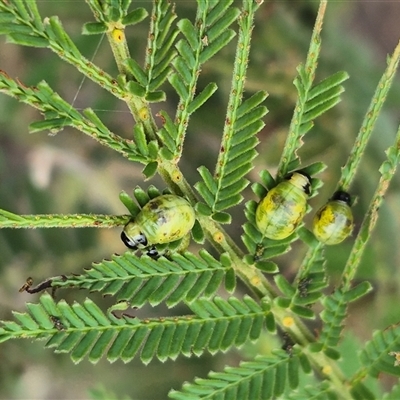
point(220, 317)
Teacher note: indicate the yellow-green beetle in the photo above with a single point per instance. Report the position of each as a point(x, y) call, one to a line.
point(282, 209)
point(334, 221)
point(164, 219)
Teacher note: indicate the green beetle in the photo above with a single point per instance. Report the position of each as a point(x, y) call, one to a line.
point(334, 221)
point(164, 219)
point(282, 209)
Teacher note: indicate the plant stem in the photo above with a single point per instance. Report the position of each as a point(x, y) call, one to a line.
point(138, 106)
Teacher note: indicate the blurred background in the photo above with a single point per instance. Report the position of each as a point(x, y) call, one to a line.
point(71, 173)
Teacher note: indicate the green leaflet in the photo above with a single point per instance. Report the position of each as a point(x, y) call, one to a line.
point(27, 40)
point(135, 16)
point(94, 28)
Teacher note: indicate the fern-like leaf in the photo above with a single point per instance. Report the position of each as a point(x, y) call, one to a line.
point(223, 190)
point(307, 288)
point(58, 114)
point(201, 40)
point(159, 53)
point(25, 27)
point(84, 330)
point(262, 378)
point(145, 280)
point(243, 121)
point(334, 314)
point(313, 100)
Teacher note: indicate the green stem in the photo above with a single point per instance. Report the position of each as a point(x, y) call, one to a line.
point(368, 124)
point(10, 220)
point(293, 140)
point(387, 169)
point(139, 108)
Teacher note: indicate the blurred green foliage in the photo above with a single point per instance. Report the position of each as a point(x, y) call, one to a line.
point(70, 173)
